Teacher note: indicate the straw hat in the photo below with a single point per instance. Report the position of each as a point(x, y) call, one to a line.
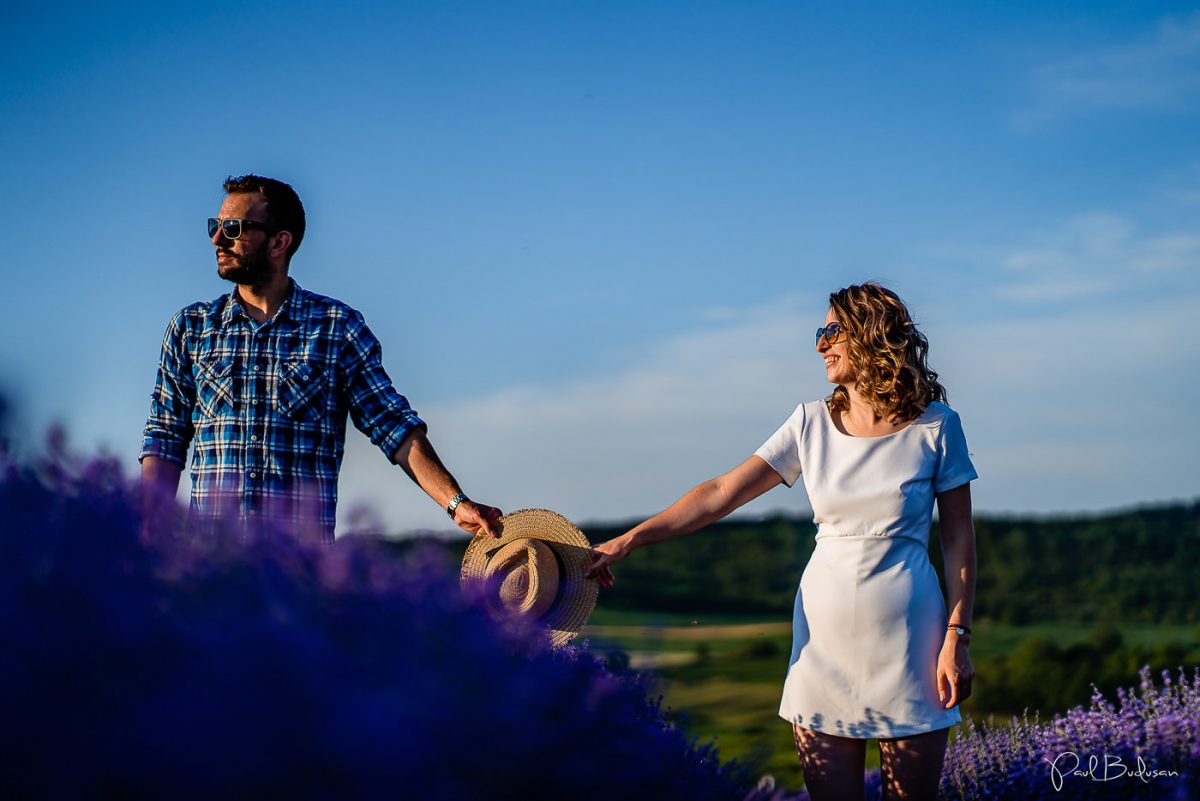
point(537, 569)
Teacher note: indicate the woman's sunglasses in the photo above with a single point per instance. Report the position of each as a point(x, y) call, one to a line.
point(233, 228)
point(833, 334)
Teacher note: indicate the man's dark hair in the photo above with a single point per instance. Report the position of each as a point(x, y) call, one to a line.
point(283, 204)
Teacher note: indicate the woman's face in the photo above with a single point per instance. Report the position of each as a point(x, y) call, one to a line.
point(837, 357)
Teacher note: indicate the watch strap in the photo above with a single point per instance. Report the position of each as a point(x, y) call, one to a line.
point(454, 502)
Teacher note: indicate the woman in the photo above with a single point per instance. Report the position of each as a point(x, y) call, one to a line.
point(874, 654)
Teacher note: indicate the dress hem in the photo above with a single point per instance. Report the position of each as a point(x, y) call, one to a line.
point(903, 731)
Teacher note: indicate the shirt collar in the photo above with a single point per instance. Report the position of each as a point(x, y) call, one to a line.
point(295, 307)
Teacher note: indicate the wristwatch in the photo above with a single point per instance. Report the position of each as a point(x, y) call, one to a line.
point(454, 502)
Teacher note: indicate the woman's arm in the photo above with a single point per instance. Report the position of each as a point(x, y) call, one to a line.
point(705, 504)
point(955, 671)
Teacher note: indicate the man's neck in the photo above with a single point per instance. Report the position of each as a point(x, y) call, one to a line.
point(261, 302)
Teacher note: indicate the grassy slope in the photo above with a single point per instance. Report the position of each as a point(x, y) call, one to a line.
point(725, 672)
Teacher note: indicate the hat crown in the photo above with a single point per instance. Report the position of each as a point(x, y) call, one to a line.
point(527, 574)
point(536, 569)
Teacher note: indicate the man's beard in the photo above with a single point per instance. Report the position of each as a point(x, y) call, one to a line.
point(250, 269)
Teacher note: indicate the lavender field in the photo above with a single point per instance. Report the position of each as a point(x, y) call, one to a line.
point(221, 668)
point(1146, 744)
point(171, 666)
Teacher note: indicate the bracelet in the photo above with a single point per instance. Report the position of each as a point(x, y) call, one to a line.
point(454, 502)
point(959, 629)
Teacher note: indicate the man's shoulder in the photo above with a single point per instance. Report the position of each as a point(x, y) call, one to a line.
point(200, 312)
point(316, 305)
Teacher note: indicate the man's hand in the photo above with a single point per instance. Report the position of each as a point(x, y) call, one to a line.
point(479, 519)
point(160, 482)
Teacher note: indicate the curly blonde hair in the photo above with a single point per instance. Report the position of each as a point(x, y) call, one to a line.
point(887, 354)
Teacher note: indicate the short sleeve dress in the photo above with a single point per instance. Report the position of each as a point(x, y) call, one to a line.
point(870, 618)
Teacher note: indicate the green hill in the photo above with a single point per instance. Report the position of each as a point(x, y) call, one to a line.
point(1131, 566)
point(1136, 566)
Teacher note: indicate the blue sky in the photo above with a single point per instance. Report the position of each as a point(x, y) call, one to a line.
point(595, 238)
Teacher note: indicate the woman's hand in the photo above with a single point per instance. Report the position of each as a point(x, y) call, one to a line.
point(607, 554)
point(704, 504)
point(954, 671)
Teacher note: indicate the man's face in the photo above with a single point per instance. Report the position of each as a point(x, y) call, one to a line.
point(244, 260)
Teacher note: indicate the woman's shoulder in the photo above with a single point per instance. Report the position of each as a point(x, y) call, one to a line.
point(937, 413)
point(815, 412)
point(804, 415)
point(808, 409)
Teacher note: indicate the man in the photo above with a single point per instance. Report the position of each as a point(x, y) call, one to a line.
point(261, 379)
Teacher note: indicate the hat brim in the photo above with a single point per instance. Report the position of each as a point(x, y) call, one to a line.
point(576, 593)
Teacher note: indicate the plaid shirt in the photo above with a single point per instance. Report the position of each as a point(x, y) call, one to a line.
point(266, 407)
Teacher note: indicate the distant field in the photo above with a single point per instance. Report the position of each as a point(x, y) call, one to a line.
point(725, 672)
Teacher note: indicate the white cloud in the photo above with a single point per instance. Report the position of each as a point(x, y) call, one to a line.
point(1159, 71)
point(626, 443)
point(1179, 189)
point(1098, 254)
point(1074, 409)
point(1082, 408)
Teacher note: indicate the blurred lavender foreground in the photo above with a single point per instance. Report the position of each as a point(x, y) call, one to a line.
point(183, 668)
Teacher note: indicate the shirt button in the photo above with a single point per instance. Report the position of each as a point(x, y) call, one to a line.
point(254, 437)
point(253, 474)
point(257, 368)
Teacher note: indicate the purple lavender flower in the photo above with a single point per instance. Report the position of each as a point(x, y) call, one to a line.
point(1143, 747)
point(217, 668)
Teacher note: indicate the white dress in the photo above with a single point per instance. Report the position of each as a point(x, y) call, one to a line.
point(870, 618)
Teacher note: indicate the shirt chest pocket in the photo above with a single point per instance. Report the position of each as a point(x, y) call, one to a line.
point(214, 387)
point(301, 391)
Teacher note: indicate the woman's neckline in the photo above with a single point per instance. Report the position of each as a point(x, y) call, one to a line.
point(847, 435)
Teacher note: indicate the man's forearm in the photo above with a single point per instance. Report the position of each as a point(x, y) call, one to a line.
point(160, 482)
point(417, 457)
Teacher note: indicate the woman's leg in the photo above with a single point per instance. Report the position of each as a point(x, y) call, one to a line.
point(911, 767)
point(833, 766)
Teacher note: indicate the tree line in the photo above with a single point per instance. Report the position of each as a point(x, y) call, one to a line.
point(1043, 674)
point(1128, 567)
point(1132, 566)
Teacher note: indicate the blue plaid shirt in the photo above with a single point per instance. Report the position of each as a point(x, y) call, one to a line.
point(265, 406)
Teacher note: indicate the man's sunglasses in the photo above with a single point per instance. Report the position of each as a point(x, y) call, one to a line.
point(833, 334)
point(233, 228)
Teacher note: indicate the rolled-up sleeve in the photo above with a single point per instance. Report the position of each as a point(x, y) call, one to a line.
point(376, 408)
point(168, 431)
